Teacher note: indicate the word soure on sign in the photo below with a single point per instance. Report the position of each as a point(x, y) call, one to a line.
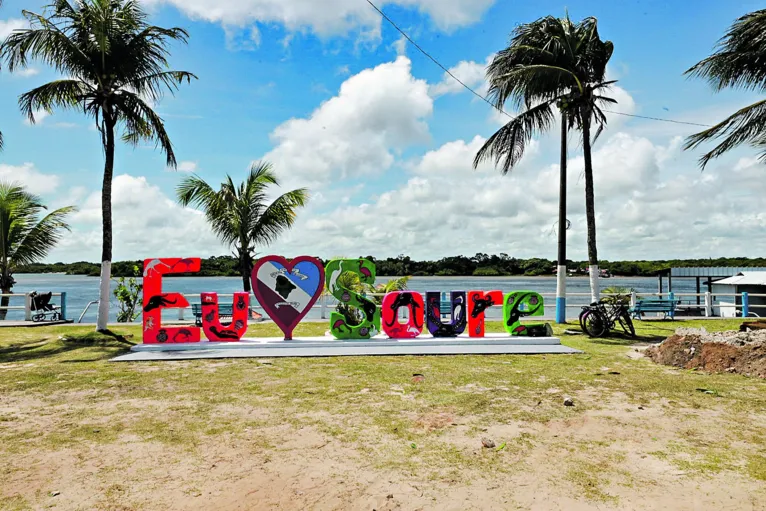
point(288, 289)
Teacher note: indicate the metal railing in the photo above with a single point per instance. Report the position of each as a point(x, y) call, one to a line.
point(27, 307)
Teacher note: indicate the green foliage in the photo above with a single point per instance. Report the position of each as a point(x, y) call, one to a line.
point(738, 63)
point(115, 63)
point(240, 215)
point(454, 266)
point(351, 281)
point(128, 294)
point(616, 295)
point(25, 237)
point(486, 272)
point(550, 63)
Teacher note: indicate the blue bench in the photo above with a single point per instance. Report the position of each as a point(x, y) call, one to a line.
point(666, 307)
point(224, 312)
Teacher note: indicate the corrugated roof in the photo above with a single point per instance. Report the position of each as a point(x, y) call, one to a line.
point(750, 278)
point(719, 271)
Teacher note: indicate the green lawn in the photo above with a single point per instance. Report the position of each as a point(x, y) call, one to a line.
point(633, 426)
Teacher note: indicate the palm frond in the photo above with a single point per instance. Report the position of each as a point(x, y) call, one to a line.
point(747, 125)
point(241, 214)
point(279, 216)
point(506, 147)
point(23, 238)
point(143, 123)
point(67, 94)
point(41, 238)
point(740, 58)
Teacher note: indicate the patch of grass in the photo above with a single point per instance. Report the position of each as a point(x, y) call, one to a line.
point(14, 503)
point(756, 467)
point(590, 478)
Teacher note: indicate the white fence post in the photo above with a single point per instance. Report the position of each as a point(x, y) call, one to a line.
point(27, 307)
point(632, 299)
point(181, 314)
point(708, 304)
point(323, 301)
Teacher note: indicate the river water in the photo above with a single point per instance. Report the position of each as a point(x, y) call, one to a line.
point(81, 289)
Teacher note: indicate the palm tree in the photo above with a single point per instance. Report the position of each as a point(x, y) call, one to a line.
point(739, 62)
point(352, 281)
point(115, 66)
point(25, 238)
point(552, 62)
point(240, 215)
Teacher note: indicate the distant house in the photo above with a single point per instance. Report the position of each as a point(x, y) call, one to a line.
point(751, 282)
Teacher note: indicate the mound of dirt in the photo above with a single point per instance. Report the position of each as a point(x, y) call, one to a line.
point(733, 352)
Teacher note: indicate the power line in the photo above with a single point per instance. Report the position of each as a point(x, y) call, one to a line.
point(483, 98)
point(658, 119)
point(424, 52)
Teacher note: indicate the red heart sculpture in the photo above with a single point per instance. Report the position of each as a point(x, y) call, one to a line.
point(287, 290)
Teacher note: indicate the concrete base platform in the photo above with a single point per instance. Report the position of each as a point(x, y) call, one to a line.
point(34, 324)
point(327, 347)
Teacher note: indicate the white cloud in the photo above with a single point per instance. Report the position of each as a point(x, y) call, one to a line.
point(9, 25)
point(471, 73)
point(651, 202)
point(147, 223)
point(328, 17)
point(376, 113)
point(400, 46)
point(187, 166)
point(39, 116)
point(26, 73)
point(27, 174)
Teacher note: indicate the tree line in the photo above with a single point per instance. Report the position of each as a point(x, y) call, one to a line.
point(480, 265)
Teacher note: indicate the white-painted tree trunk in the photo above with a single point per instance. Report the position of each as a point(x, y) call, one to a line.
point(103, 297)
point(595, 293)
point(561, 294)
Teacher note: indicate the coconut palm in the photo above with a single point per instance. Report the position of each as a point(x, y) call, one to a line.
point(25, 238)
point(552, 63)
point(240, 215)
point(351, 281)
point(115, 67)
point(739, 62)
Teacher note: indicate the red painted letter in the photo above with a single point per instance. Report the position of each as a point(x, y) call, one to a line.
point(478, 302)
point(155, 300)
point(390, 314)
point(211, 324)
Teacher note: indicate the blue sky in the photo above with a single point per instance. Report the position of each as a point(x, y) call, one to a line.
point(329, 94)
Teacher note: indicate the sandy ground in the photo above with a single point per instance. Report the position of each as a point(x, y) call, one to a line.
point(304, 469)
point(365, 433)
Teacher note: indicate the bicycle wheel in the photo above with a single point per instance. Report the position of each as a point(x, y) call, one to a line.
point(594, 324)
point(627, 324)
point(584, 311)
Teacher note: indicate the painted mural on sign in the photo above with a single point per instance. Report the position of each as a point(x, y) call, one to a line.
point(287, 289)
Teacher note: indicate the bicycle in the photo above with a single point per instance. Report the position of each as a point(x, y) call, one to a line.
point(598, 318)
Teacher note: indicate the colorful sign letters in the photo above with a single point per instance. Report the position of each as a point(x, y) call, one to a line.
point(352, 269)
point(288, 289)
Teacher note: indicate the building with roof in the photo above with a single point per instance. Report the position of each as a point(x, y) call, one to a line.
point(728, 293)
point(705, 277)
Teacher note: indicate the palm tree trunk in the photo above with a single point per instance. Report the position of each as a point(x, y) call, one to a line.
point(561, 271)
point(245, 274)
point(590, 207)
point(106, 222)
